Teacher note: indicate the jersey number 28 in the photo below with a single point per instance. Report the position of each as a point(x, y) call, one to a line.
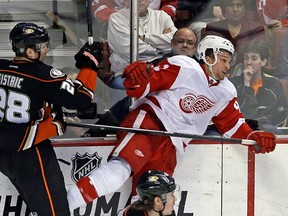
point(14, 106)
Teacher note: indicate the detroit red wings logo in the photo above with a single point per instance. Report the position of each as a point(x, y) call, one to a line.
point(199, 104)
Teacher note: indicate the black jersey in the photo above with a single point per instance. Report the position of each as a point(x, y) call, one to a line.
point(132, 212)
point(31, 97)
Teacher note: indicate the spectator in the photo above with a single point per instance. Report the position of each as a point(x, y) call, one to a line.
point(32, 94)
point(273, 14)
point(235, 27)
point(282, 66)
point(184, 42)
point(157, 191)
point(260, 97)
point(177, 95)
point(102, 9)
point(203, 12)
point(156, 30)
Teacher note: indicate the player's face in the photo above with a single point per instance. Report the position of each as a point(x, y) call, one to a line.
point(222, 65)
point(169, 206)
point(184, 43)
point(254, 61)
point(45, 47)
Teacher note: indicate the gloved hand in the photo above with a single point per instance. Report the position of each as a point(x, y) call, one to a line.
point(89, 56)
point(137, 73)
point(265, 141)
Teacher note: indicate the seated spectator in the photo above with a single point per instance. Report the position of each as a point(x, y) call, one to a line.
point(156, 30)
point(184, 42)
point(282, 66)
point(260, 97)
point(235, 27)
point(102, 9)
point(203, 12)
point(273, 14)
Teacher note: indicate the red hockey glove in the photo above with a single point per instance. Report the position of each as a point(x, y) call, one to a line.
point(137, 73)
point(265, 140)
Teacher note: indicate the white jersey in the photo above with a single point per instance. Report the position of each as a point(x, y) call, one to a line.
point(191, 100)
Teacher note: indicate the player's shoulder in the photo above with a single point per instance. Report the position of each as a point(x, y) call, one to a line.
point(129, 211)
point(183, 61)
point(47, 72)
point(229, 86)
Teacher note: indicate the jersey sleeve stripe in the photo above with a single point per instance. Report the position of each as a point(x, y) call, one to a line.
point(235, 128)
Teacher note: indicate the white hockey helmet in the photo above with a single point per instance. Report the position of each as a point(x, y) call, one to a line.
point(216, 43)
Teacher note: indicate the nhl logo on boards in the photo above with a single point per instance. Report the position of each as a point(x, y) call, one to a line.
point(190, 103)
point(82, 165)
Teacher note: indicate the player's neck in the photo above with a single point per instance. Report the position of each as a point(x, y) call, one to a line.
point(21, 58)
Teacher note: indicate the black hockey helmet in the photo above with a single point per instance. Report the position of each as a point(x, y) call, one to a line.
point(27, 35)
point(155, 183)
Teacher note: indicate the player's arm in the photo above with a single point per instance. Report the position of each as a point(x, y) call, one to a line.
point(142, 78)
point(80, 93)
point(231, 123)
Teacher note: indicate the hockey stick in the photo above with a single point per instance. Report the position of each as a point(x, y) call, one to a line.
point(89, 22)
point(164, 133)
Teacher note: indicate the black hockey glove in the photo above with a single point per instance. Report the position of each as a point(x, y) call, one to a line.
point(89, 56)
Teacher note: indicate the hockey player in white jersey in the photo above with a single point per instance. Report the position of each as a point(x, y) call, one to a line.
point(178, 95)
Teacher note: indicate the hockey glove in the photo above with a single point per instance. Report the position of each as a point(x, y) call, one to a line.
point(265, 141)
point(89, 56)
point(137, 74)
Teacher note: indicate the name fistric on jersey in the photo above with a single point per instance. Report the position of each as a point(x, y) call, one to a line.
point(185, 99)
point(31, 97)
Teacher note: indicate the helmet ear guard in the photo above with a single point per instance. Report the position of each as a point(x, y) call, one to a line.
point(27, 35)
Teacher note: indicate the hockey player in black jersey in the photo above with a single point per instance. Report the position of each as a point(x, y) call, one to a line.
point(31, 96)
point(158, 194)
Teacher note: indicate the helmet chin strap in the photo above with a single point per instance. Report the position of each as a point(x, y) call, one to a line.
point(164, 204)
point(210, 66)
